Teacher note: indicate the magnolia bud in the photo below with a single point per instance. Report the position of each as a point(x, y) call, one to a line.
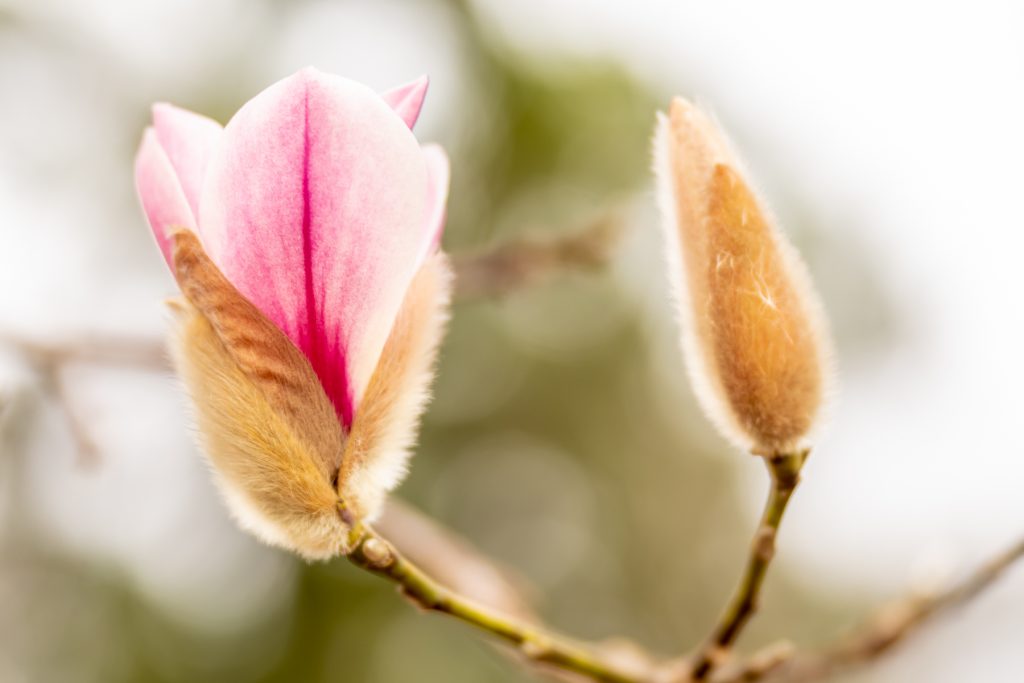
point(753, 334)
point(305, 237)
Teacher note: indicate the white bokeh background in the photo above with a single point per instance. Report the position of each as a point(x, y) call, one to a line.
point(901, 121)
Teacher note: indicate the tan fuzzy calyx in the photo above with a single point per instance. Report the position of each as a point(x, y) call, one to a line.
point(267, 426)
point(755, 343)
point(385, 425)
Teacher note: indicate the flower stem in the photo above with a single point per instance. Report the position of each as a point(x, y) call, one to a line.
point(785, 474)
point(375, 555)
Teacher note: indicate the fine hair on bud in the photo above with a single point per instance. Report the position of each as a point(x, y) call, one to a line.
point(268, 429)
point(377, 449)
point(284, 462)
point(753, 332)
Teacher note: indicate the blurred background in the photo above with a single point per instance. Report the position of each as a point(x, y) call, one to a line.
point(563, 440)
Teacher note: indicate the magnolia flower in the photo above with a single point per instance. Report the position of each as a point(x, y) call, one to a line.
point(304, 237)
point(753, 333)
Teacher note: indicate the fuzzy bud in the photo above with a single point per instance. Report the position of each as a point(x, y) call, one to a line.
point(753, 334)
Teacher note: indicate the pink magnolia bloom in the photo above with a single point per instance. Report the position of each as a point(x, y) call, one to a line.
point(314, 213)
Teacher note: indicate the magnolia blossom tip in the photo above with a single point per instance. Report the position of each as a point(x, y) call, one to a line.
point(158, 109)
point(407, 99)
point(307, 76)
point(148, 138)
point(679, 106)
point(308, 72)
point(418, 85)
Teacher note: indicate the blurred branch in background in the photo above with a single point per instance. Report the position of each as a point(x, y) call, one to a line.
point(758, 666)
point(893, 624)
point(93, 349)
point(500, 271)
point(51, 362)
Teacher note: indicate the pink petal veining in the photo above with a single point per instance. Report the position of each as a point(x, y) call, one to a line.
point(316, 206)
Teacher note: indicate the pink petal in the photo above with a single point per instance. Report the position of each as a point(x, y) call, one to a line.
point(160, 192)
point(407, 99)
point(438, 177)
point(189, 140)
point(313, 206)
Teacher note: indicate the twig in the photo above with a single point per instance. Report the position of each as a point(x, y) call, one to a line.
point(453, 560)
point(456, 563)
point(893, 624)
point(785, 474)
point(501, 270)
point(86, 448)
point(373, 554)
point(758, 666)
point(94, 349)
point(51, 361)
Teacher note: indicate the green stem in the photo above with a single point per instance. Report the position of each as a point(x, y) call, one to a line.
point(785, 474)
point(376, 555)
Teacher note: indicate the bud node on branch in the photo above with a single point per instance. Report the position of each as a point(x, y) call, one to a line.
point(377, 553)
